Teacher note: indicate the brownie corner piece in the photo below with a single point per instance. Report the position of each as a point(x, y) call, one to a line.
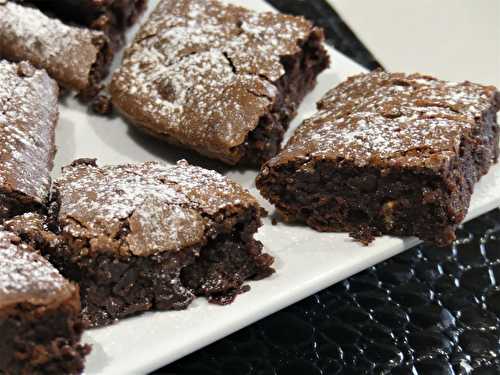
point(40, 321)
point(388, 153)
point(219, 79)
point(28, 117)
point(150, 237)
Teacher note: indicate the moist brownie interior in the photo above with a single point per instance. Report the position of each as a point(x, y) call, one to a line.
point(147, 237)
point(300, 75)
point(387, 154)
point(114, 287)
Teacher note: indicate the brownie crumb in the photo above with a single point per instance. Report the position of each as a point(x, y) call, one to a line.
point(263, 212)
point(102, 105)
point(229, 296)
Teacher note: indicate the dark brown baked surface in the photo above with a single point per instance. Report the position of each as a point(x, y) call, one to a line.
point(28, 117)
point(387, 153)
point(219, 79)
point(143, 237)
point(77, 58)
point(39, 314)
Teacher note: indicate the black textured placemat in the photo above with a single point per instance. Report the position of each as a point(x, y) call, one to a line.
point(427, 311)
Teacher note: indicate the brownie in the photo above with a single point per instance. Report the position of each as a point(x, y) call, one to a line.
point(28, 117)
point(77, 58)
point(39, 314)
point(109, 16)
point(218, 79)
point(148, 237)
point(387, 154)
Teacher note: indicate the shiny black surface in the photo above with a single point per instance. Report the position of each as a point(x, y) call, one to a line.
point(427, 311)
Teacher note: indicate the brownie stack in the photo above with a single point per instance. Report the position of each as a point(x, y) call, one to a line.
point(385, 154)
point(131, 238)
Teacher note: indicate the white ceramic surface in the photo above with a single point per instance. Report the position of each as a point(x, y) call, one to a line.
point(306, 261)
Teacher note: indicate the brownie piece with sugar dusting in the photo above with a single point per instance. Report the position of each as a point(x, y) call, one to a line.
point(388, 154)
point(77, 58)
point(28, 117)
point(40, 320)
point(148, 237)
point(218, 79)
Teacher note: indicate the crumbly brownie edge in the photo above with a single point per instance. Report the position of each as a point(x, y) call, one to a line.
point(13, 204)
point(42, 339)
point(113, 287)
point(99, 70)
point(427, 204)
point(301, 71)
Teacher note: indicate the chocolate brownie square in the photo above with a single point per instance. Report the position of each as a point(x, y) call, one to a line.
point(40, 320)
point(28, 117)
point(218, 79)
point(77, 58)
point(149, 237)
point(388, 154)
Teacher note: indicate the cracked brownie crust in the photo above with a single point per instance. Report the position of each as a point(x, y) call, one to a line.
point(39, 314)
point(77, 58)
point(28, 117)
point(219, 79)
point(387, 154)
point(144, 237)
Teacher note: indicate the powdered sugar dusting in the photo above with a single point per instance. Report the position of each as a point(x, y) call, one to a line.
point(389, 116)
point(28, 115)
point(66, 52)
point(165, 208)
point(202, 72)
point(25, 276)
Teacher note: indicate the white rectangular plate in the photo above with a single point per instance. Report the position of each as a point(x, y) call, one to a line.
point(306, 261)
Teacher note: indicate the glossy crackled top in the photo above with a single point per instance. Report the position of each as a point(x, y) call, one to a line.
point(203, 71)
point(28, 116)
point(67, 52)
point(408, 120)
point(162, 208)
point(26, 276)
